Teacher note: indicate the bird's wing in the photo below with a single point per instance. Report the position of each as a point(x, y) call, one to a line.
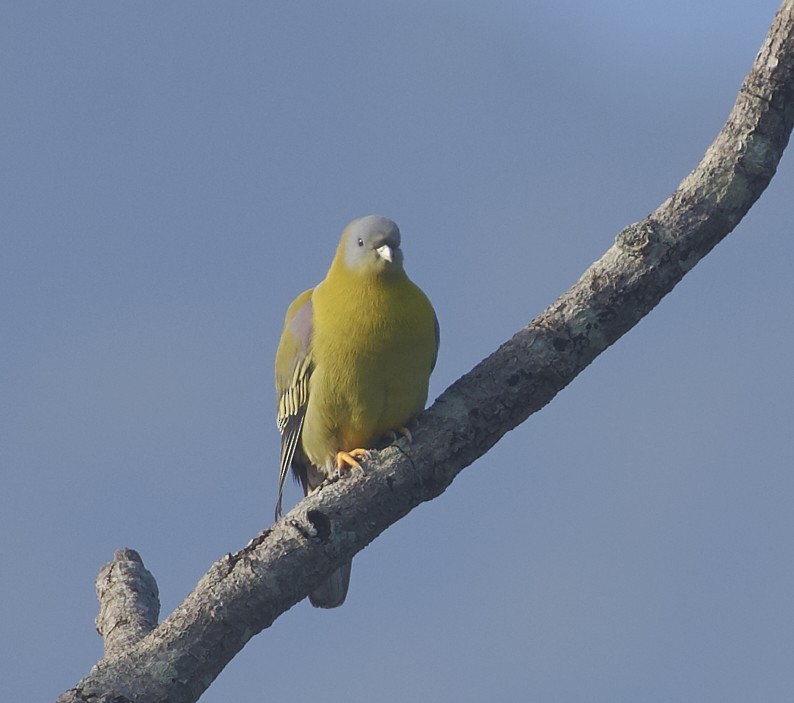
point(438, 341)
point(293, 370)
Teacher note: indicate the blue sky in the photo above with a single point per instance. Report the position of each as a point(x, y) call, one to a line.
point(175, 173)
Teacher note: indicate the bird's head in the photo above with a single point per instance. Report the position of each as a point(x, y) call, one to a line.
point(371, 245)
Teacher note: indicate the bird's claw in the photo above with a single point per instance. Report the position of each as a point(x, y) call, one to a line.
point(350, 460)
point(394, 435)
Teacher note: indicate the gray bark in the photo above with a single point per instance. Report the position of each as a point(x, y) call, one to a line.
point(243, 593)
point(129, 602)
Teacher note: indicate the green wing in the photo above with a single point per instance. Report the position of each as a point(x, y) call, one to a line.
point(293, 370)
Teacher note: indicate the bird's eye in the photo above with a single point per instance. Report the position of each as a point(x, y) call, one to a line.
point(360, 242)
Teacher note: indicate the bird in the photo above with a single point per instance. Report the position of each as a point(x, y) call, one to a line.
point(352, 367)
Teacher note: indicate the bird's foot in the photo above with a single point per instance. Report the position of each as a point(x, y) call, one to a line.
point(350, 460)
point(394, 435)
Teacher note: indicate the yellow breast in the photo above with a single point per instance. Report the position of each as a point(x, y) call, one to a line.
point(373, 347)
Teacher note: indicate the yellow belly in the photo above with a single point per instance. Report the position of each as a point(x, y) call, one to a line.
point(371, 374)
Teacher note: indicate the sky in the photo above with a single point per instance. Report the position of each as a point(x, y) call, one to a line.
point(174, 174)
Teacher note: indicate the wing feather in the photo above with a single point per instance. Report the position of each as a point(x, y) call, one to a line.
point(293, 371)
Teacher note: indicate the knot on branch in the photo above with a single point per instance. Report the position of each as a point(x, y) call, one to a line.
point(640, 239)
point(320, 523)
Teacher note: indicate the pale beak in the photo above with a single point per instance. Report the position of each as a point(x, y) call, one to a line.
point(385, 252)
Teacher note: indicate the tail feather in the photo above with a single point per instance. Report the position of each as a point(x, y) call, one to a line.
point(332, 593)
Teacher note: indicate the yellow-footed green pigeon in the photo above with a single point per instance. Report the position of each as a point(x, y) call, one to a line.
point(352, 366)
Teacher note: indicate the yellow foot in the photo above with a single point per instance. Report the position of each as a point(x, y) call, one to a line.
point(349, 460)
point(394, 435)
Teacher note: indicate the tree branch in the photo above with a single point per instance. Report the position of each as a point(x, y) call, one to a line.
point(244, 593)
point(129, 603)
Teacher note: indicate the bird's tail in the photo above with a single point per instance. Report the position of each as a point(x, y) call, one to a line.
point(331, 594)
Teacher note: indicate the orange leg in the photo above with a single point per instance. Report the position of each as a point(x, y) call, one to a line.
point(394, 435)
point(349, 460)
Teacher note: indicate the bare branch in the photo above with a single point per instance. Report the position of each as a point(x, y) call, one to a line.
point(129, 603)
point(245, 592)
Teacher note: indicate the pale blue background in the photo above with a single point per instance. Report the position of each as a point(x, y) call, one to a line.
point(174, 173)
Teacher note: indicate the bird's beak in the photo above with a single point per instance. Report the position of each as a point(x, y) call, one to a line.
point(385, 252)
